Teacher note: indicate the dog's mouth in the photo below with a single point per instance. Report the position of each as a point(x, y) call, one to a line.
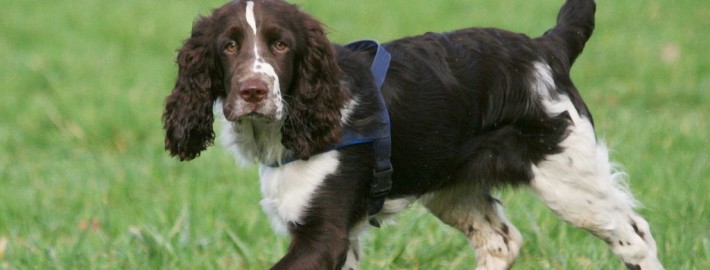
point(241, 110)
point(254, 115)
point(263, 116)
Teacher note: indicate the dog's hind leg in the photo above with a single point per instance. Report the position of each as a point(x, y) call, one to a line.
point(481, 218)
point(580, 185)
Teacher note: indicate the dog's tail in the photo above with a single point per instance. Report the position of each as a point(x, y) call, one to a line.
point(575, 24)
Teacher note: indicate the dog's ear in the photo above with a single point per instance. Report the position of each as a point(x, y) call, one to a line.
point(316, 99)
point(188, 115)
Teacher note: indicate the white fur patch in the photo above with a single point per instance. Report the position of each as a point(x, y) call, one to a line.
point(394, 206)
point(544, 85)
point(251, 19)
point(469, 209)
point(288, 189)
point(582, 187)
point(580, 184)
point(347, 110)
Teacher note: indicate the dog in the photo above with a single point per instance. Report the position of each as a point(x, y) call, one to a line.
point(463, 113)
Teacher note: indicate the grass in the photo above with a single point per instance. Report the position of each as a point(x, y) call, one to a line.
point(85, 183)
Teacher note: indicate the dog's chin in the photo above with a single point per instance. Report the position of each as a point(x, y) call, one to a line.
point(258, 117)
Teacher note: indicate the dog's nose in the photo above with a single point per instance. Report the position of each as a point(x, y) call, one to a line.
point(253, 91)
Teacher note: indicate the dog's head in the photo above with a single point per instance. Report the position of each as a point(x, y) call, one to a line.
point(267, 61)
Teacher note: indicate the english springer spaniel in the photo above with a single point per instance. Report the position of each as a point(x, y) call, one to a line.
point(469, 110)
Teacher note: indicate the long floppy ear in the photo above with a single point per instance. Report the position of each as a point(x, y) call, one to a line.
point(188, 115)
point(315, 102)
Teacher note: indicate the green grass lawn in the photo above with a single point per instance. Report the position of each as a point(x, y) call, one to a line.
point(85, 182)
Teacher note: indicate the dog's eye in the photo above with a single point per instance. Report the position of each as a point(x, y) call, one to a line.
point(231, 47)
point(280, 46)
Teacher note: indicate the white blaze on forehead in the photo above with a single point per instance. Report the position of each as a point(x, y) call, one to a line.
point(251, 20)
point(250, 16)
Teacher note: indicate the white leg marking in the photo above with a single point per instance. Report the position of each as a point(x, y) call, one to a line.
point(582, 187)
point(481, 218)
point(288, 189)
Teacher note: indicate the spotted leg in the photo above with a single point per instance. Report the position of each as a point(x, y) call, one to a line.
point(581, 186)
point(481, 218)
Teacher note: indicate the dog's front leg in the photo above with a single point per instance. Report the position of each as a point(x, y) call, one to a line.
point(321, 225)
point(316, 246)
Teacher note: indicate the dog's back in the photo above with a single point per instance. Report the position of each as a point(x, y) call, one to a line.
point(473, 94)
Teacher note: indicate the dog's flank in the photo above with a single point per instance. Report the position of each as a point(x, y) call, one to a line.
point(471, 110)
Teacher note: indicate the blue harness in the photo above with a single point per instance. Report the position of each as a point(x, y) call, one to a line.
point(377, 134)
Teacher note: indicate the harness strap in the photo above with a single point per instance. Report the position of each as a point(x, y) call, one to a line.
point(382, 141)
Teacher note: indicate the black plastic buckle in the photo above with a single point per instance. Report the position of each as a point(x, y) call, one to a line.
point(382, 183)
point(379, 189)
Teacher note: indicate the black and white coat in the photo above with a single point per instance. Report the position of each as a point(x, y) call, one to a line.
point(471, 110)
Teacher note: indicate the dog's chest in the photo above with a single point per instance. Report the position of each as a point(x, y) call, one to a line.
point(288, 190)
